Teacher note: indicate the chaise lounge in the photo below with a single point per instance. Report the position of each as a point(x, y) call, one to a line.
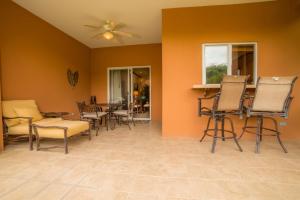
point(22, 119)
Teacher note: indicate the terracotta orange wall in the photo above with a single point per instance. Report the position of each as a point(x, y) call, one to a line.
point(136, 55)
point(275, 26)
point(1, 126)
point(35, 57)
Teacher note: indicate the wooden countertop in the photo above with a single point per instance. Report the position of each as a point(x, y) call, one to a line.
point(213, 86)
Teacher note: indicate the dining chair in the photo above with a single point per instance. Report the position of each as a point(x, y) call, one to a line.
point(92, 113)
point(228, 101)
point(128, 115)
point(272, 99)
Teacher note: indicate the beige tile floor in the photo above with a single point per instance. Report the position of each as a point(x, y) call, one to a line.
point(141, 165)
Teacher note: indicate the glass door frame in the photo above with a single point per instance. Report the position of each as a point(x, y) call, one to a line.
point(130, 83)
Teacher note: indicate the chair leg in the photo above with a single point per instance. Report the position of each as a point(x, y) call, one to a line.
point(106, 122)
point(128, 122)
point(90, 132)
point(205, 131)
point(119, 120)
point(258, 133)
point(215, 136)
point(244, 127)
point(37, 143)
point(30, 138)
point(113, 125)
point(280, 142)
point(132, 120)
point(66, 141)
point(234, 135)
point(97, 128)
point(261, 129)
point(37, 139)
point(278, 135)
point(223, 126)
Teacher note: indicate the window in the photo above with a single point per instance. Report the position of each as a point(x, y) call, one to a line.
point(230, 59)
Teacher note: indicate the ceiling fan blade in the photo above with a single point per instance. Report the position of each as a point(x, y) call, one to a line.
point(118, 39)
point(120, 26)
point(98, 36)
point(122, 33)
point(93, 27)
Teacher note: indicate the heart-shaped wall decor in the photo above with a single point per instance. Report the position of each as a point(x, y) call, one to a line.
point(73, 77)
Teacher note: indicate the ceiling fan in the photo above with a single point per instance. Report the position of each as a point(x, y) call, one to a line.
point(110, 30)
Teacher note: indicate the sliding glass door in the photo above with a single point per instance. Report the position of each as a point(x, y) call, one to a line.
point(131, 85)
point(119, 89)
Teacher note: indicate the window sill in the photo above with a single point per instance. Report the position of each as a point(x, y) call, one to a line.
point(212, 86)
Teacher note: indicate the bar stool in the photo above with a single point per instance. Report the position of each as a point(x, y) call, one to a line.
point(229, 101)
point(272, 99)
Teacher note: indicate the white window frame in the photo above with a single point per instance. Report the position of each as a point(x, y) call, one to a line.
point(229, 69)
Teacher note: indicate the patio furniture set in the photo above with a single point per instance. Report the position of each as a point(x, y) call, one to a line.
point(23, 121)
point(113, 113)
point(272, 99)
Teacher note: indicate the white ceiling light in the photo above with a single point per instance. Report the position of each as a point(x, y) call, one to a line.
point(108, 35)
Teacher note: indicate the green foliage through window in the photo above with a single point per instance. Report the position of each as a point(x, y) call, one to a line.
point(215, 73)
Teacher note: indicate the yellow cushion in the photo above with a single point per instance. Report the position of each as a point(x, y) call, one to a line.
point(74, 127)
point(28, 112)
point(20, 129)
point(8, 107)
point(23, 129)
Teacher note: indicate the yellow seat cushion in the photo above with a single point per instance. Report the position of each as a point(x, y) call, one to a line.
point(20, 129)
point(74, 127)
point(23, 129)
point(28, 112)
point(8, 109)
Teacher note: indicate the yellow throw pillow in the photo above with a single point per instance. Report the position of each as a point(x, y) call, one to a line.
point(28, 112)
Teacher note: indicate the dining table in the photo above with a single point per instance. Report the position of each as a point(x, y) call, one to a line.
point(109, 108)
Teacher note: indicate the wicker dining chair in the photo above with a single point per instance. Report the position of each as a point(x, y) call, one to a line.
point(229, 101)
point(272, 99)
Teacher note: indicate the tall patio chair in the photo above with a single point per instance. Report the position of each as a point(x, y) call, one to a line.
point(229, 101)
point(272, 99)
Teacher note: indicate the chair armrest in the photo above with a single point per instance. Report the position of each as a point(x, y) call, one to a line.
point(28, 118)
point(55, 114)
point(209, 97)
point(18, 118)
point(204, 110)
point(49, 127)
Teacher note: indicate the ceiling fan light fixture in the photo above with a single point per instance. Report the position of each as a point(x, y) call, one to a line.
point(108, 35)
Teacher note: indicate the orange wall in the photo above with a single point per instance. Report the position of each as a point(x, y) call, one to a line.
point(1, 126)
point(35, 57)
point(136, 55)
point(275, 26)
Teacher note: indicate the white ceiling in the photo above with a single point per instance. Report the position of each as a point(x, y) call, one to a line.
point(143, 17)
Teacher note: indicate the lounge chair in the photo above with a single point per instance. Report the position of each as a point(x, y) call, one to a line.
point(22, 118)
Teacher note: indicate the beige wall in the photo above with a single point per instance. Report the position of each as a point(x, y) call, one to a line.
point(275, 26)
point(136, 55)
point(35, 57)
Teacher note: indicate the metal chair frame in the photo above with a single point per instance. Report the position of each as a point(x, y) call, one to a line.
point(129, 116)
point(262, 115)
point(95, 121)
point(220, 116)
